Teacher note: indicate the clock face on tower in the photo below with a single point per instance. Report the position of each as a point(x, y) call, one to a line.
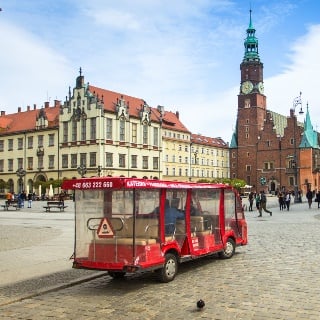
point(260, 87)
point(246, 87)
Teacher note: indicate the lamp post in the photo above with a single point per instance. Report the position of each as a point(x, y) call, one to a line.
point(82, 170)
point(20, 173)
point(99, 171)
point(297, 101)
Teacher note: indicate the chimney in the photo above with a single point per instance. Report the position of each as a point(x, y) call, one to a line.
point(28, 108)
point(3, 113)
point(46, 104)
point(34, 107)
point(177, 114)
point(19, 109)
point(56, 103)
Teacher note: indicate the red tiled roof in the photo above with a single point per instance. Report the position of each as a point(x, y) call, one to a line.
point(26, 121)
point(213, 142)
point(170, 119)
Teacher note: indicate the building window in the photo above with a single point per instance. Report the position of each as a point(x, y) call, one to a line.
point(133, 161)
point(93, 159)
point(180, 159)
point(268, 165)
point(268, 143)
point(30, 163)
point(247, 135)
point(186, 160)
point(144, 162)
point(93, 128)
point(64, 161)
point(248, 168)
point(83, 129)
point(51, 161)
point(246, 128)
point(40, 162)
point(10, 164)
point(20, 163)
point(65, 132)
point(10, 144)
point(155, 163)
point(180, 172)
point(20, 143)
point(109, 159)
point(74, 160)
point(74, 131)
point(134, 133)
point(40, 141)
point(167, 171)
point(1, 165)
point(122, 160)
point(173, 171)
point(83, 159)
point(173, 158)
point(291, 181)
point(1, 145)
point(122, 132)
point(109, 129)
point(156, 137)
point(145, 134)
point(51, 139)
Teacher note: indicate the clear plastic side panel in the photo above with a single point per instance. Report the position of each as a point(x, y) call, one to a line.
point(89, 211)
point(205, 219)
point(231, 222)
point(175, 226)
point(115, 228)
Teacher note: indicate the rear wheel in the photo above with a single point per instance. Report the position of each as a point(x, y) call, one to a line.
point(116, 275)
point(170, 268)
point(229, 249)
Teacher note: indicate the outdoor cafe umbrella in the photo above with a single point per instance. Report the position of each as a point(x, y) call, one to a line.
point(50, 192)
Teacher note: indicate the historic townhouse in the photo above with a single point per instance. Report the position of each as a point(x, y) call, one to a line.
point(209, 158)
point(97, 132)
point(28, 146)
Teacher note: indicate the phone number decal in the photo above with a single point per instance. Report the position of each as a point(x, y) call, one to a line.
point(93, 185)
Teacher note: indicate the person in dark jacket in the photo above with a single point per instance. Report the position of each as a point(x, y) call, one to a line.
point(309, 197)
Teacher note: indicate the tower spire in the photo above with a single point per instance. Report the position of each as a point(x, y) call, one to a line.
point(251, 43)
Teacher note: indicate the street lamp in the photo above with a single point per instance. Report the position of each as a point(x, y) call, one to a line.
point(82, 170)
point(297, 101)
point(20, 173)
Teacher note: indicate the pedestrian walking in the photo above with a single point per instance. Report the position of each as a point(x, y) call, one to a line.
point(257, 198)
point(317, 199)
point(309, 196)
point(281, 201)
point(263, 204)
point(288, 200)
point(30, 197)
point(251, 198)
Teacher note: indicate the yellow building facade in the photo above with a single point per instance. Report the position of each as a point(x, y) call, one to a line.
point(97, 132)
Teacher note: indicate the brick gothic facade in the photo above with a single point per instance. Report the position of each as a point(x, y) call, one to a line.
point(270, 151)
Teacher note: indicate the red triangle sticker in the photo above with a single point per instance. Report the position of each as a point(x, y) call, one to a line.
point(105, 229)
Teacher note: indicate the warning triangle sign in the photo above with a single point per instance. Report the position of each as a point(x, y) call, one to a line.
point(105, 229)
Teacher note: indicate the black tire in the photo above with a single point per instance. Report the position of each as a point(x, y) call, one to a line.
point(229, 249)
point(116, 274)
point(170, 268)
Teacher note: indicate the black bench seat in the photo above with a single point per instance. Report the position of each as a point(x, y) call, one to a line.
point(55, 205)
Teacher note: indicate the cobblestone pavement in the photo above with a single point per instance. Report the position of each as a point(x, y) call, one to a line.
point(276, 276)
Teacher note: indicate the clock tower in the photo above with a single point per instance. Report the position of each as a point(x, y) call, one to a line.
point(251, 110)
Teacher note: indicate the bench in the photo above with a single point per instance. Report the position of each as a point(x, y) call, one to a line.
point(55, 205)
point(13, 204)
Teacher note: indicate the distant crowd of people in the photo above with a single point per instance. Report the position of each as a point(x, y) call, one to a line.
point(22, 197)
point(284, 198)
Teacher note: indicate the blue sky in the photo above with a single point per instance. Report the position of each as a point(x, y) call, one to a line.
point(182, 54)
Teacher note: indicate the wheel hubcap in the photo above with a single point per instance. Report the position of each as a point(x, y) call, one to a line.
point(171, 268)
